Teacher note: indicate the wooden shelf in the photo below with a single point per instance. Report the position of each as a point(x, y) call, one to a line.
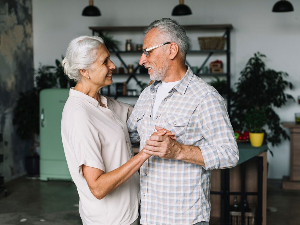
point(140, 28)
point(195, 28)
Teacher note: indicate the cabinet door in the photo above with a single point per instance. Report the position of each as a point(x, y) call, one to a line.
point(295, 155)
point(53, 163)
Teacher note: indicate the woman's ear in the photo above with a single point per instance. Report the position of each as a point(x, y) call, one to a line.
point(174, 49)
point(84, 73)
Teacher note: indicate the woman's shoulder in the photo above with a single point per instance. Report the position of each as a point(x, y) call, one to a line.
point(116, 103)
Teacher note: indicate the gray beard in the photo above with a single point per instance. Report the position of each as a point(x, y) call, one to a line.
point(159, 74)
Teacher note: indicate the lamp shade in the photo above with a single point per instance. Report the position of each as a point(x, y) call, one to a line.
point(91, 10)
point(181, 9)
point(283, 6)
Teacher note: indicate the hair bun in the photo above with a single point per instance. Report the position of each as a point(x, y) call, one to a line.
point(65, 65)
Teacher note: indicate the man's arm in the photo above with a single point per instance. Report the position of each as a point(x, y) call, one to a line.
point(214, 144)
point(168, 148)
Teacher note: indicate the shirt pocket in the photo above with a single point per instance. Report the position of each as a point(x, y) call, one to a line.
point(178, 125)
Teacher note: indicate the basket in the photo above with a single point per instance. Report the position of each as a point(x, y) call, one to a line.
point(211, 43)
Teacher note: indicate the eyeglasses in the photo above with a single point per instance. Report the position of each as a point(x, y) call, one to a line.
point(147, 50)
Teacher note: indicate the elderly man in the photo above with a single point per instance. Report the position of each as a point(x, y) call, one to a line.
point(175, 180)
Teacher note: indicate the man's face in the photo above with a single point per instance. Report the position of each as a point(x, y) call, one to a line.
point(156, 60)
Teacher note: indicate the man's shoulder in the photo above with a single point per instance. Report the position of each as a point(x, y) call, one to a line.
point(199, 88)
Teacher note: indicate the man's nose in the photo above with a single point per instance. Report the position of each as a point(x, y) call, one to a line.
point(143, 59)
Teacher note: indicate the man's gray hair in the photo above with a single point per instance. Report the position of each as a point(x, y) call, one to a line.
point(81, 54)
point(173, 32)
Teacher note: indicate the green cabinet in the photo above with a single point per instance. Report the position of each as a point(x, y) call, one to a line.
point(53, 164)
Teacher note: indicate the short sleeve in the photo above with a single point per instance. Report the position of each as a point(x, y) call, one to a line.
point(87, 147)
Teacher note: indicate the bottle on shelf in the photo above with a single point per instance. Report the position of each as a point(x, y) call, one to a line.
point(121, 69)
point(124, 90)
point(130, 68)
point(246, 207)
point(128, 46)
point(235, 207)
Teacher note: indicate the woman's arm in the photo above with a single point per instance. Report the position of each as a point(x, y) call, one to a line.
point(101, 183)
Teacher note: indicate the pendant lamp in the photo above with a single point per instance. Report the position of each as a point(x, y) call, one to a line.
point(181, 9)
point(283, 6)
point(91, 10)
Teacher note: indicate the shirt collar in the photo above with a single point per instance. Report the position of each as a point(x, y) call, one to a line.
point(180, 87)
point(83, 96)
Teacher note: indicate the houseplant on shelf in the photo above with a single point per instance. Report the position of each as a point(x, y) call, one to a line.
point(255, 120)
point(110, 42)
point(260, 88)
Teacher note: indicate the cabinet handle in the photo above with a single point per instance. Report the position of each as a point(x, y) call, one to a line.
point(42, 118)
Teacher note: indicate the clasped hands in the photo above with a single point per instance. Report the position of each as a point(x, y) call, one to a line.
point(163, 143)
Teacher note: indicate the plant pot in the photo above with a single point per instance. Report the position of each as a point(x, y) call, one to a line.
point(256, 139)
point(32, 165)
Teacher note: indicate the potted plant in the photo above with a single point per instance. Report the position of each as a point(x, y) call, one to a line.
point(260, 88)
point(110, 42)
point(26, 118)
point(26, 111)
point(221, 86)
point(255, 120)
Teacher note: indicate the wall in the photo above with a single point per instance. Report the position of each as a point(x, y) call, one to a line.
point(256, 28)
point(16, 75)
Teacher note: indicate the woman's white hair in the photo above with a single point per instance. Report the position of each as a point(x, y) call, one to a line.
point(81, 54)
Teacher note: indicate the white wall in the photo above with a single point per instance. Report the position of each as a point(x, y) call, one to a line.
point(256, 28)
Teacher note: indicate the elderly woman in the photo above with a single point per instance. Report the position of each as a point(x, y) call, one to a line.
point(96, 141)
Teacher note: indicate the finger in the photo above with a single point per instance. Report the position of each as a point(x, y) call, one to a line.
point(152, 143)
point(158, 128)
point(157, 138)
point(152, 148)
point(169, 133)
point(160, 132)
point(149, 152)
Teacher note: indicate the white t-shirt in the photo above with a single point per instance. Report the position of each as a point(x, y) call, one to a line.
point(162, 92)
point(98, 137)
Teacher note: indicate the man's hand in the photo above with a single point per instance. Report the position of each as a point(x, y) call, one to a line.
point(162, 143)
point(161, 131)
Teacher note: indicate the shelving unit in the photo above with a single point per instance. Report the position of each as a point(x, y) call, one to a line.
point(247, 181)
point(201, 28)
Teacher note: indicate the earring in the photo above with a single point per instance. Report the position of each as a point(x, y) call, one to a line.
point(88, 77)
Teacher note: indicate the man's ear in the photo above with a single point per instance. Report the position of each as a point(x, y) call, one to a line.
point(174, 50)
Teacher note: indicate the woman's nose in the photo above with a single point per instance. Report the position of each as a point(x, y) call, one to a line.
point(112, 65)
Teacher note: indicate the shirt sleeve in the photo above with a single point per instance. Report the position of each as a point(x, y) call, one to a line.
point(87, 145)
point(132, 123)
point(219, 148)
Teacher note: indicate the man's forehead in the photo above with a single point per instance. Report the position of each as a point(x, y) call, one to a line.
point(152, 37)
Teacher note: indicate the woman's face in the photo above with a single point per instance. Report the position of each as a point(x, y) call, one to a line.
point(100, 72)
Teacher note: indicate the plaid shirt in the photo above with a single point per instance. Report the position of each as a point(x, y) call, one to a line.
point(173, 191)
